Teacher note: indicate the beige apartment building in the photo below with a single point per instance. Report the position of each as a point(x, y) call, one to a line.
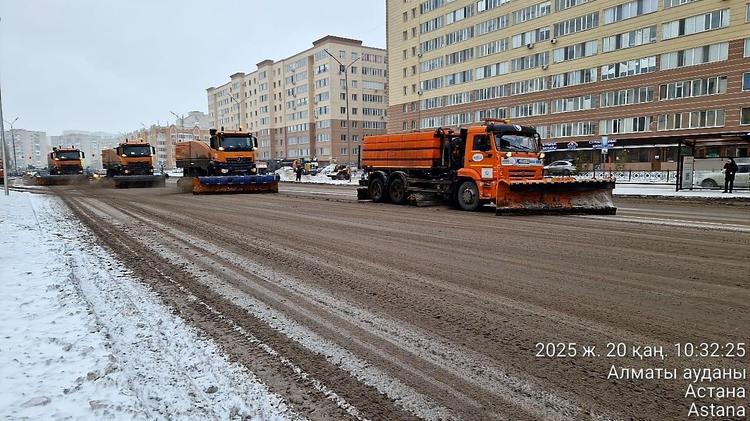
point(297, 106)
point(649, 75)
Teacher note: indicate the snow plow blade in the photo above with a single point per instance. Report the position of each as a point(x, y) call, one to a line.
point(236, 184)
point(60, 180)
point(555, 196)
point(138, 181)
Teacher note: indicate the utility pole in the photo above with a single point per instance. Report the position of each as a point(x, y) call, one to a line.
point(345, 69)
point(2, 141)
point(13, 143)
point(2, 137)
point(181, 117)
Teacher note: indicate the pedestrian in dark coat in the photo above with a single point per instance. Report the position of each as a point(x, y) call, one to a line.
point(730, 169)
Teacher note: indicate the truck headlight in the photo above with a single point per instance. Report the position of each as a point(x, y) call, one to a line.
point(127, 171)
point(224, 170)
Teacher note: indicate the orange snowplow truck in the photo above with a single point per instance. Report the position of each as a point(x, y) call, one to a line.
point(65, 166)
point(497, 163)
point(130, 164)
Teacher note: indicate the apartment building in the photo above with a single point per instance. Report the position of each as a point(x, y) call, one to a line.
point(648, 74)
point(30, 148)
point(297, 106)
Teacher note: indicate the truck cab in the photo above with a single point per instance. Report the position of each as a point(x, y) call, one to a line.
point(498, 152)
point(65, 161)
point(232, 153)
point(129, 158)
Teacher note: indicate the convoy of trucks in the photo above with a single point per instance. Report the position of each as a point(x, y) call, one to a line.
point(226, 164)
point(130, 164)
point(497, 162)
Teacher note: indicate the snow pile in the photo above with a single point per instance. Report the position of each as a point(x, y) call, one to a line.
point(81, 338)
point(287, 174)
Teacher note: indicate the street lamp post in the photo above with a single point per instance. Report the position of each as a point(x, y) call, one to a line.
point(346, 93)
point(239, 111)
point(2, 139)
point(13, 143)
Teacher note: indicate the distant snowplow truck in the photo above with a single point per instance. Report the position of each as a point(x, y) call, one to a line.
point(226, 164)
point(130, 164)
point(65, 166)
point(497, 162)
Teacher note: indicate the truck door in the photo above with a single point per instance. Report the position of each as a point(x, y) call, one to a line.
point(481, 155)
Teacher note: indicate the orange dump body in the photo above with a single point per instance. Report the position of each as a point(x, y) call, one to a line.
point(421, 150)
point(192, 150)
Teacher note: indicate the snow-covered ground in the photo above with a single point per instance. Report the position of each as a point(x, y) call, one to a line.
point(82, 338)
point(287, 174)
point(669, 191)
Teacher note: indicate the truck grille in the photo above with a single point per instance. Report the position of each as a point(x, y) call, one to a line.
point(520, 174)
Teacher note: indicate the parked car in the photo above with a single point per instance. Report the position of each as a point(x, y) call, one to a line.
point(741, 179)
point(560, 168)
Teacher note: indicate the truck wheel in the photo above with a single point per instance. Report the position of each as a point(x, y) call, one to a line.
point(397, 190)
point(468, 196)
point(377, 189)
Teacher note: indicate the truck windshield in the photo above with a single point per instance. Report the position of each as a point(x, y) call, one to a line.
point(137, 150)
point(68, 155)
point(516, 142)
point(237, 143)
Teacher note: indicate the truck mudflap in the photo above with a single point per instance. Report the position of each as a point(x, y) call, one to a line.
point(560, 196)
point(60, 180)
point(135, 181)
point(236, 184)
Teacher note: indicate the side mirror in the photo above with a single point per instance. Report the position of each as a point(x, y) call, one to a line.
point(255, 142)
point(83, 155)
point(153, 150)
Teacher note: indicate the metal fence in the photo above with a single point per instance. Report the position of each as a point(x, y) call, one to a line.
point(634, 176)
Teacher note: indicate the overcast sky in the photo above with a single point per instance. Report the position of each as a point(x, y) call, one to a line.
point(110, 65)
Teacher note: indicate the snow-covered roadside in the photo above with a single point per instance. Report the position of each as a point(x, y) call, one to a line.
point(80, 337)
point(287, 174)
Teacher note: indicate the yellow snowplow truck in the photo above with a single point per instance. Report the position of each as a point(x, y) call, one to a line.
point(226, 164)
point(65, 166)
point(130, 164)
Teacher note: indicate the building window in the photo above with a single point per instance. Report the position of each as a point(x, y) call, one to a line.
point(674, 3)
point(567, 4)
point(695, 56)
point(583, 128)
point(745, 116)
point(747, 47)
point(626, 97)
point(528, 110)
point(629, 10)
point(693, 88)
point(578, 103)
point(625, 125)
point(576, 51)
point(629, 68)
point(746, 82)
point(692, 120)
point(629, 39)
point(576, 77)
point(581, 23)
point(532, 12)
point(696, 24)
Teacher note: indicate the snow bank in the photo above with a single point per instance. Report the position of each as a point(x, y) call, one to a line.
point(287, 174)
point(80, 337)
